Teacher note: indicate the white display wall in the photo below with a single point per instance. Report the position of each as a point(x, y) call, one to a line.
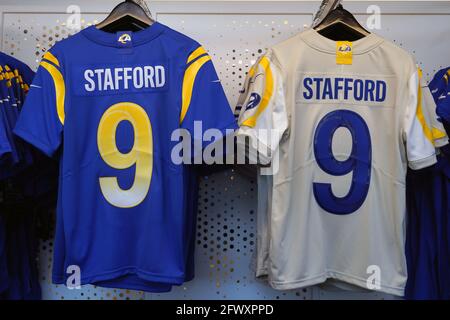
point(235, 33)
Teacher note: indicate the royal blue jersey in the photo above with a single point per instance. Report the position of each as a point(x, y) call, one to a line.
point(443, 106)
point(439, 83)
point(24, 70)
point(428, 241)
point(122, 200)
point(8, 118)
point(441, 88)
point(5, 147)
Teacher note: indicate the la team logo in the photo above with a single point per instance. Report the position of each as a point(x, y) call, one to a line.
point(124, 38)
point(254, 101)
point(345, 48)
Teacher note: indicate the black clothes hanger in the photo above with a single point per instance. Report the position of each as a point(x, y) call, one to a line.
point(126, 16)
point(340, 24)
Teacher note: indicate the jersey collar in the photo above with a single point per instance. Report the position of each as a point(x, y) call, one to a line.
point(321, 43)
point(110, 39)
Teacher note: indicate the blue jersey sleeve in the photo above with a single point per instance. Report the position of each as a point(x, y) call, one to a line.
point(443, 106)
point(5, 147)
point(203, 98)
point(439, 84)
point(8, 118)
point(42, 117)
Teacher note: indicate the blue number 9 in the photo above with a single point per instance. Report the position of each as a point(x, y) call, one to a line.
point(359, 161)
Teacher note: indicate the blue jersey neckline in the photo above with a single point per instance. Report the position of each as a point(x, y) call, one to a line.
point(110, 39)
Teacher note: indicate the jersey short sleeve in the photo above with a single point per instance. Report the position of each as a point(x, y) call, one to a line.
point(42, 117)
point(443, 106)
point(440, 90)
point(263, 116)
point(204, 102)
point(240, 106)
point(439, 83)
point(440, 137)
point(417, 132)
point(5, 147)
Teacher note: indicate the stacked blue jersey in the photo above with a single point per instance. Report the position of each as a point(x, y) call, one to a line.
point(440, 88)
point(428, 245)
point(18, 242)
point(125, 210)
point(25, 72)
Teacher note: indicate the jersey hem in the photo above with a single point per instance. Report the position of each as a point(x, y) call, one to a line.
point(262, 272)
point(163, 287)
point(423, 163)
point(30, 138)
point(288, 285)
point(439, 143)
point(110, 276)
point(4, 150)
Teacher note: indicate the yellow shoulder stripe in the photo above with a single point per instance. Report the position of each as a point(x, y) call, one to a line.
point(267, 96)
point(252, 71)
point(419, 114)
point(188, 84)
point(197, 53)
point(50, 57)
point(60, 88)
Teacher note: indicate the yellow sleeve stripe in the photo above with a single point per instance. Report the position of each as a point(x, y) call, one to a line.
point(438, 134)
point(188, 84)
point(60, 88)
point(50, 57)
point(419, 114)
point(267, 96)
point(197, 53)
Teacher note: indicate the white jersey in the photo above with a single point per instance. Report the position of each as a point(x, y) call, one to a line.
point(341, 138)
